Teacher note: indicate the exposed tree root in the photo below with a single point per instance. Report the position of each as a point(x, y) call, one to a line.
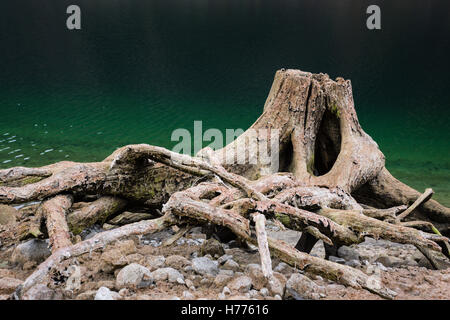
point(330, 183)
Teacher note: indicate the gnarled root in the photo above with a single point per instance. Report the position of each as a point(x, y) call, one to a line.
point(330, 183)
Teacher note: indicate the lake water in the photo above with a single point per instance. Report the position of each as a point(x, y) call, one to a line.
point(140, 69)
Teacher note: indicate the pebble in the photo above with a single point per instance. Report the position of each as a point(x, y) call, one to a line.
point(301, 287)
point(32, 250)
point(224, 258)
point(231, 265)
point(132, 274)
point(188, 296)
point(205, 266)
point(105, 294)
point(241, 284)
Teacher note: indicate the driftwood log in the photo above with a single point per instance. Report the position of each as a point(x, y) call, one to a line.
point(330, 182)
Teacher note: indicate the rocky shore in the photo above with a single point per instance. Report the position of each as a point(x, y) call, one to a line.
point(194, 267)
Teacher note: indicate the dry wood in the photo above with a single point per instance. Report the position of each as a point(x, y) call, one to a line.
point(423, 198)
point(94, 212)
point(54, 211)
point(261, 235)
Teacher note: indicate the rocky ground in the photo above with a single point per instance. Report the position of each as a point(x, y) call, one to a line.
point(195, 267)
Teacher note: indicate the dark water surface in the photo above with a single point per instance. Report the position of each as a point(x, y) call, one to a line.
point(140, 69)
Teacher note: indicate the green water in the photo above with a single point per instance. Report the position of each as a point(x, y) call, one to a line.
point(140, 69)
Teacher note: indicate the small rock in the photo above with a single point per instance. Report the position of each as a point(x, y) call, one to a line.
point(132, 275)
point(104, 293)
point(277, 297)
point(254, 271)
point(348, 253)
point(212, 247)
point(177, 262)
point(276, 287)
point(124, 292)
point(188, 269)
point(155, 262)
point(9, 285)
point(114, 257)
point(301, 287)
point(282, 268)
point(241, 284)
point(337, 260)
point(231, 265)
point(226, 291)
point(169, 274)
point(221, 280)
point(390, 262)
point(205, 266)
point(87, 295)
point(253, 293)
point(41, 292)
point(32, 250)
point(8, 214)
point(353, 263)
point(188, 296)
point(188, 283)
point(227, 272)
point(224, 258)
point(264, 292)
point(135, 258)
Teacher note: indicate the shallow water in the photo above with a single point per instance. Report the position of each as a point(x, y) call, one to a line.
point(138, 70)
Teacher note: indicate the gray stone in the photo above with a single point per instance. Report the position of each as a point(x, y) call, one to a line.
point(155, 262)
point(32, 250)
point(188, 296)
point(224, 258)
point(337, 260)
point(212, 247)
point(300, 287)
point(348, 253)
point(222, 279)
point(177, 262)
point(231, 265)
point(169, 274)
point(132, 275)
point(253, 293)
point(264, 292)
point(282, 267)
point(188, 269)
point(205, 266)
point(104, 293)
point(353, 263)
point(241, 284)
point(390, 262)
point(87, 295)
point(41, 292)
point(226, 291)
point(276, 287)
point(254, 271)
point(227, 272)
